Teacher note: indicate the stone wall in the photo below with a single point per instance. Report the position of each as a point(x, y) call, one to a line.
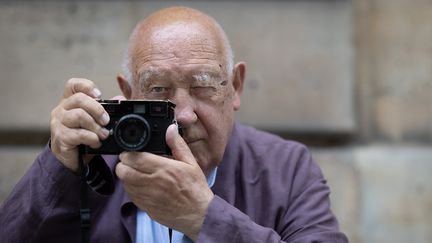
point(349, 78)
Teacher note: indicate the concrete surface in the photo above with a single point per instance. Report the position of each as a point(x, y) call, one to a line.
point(321, 68)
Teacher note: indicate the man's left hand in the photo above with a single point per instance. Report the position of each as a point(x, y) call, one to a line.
point(174, 192)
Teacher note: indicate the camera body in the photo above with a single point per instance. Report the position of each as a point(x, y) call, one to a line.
point(136, 125)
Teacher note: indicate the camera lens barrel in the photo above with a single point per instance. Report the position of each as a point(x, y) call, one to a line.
point(132, 132)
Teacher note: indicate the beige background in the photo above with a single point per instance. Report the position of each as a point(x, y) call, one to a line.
point(352, 79)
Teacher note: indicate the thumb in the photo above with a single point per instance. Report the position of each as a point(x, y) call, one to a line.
point(178, 146)
point(118, 97)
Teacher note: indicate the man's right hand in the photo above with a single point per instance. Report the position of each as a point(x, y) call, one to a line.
point(77, 119)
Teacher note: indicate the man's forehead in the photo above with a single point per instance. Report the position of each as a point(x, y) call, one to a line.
point(190, 54)
point(201, 72)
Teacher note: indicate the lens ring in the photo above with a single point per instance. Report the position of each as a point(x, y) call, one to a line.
point(132, 132)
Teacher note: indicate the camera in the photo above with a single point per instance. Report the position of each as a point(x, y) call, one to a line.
point(136, 125)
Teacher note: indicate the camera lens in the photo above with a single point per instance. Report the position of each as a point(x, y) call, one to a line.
point(132, 132)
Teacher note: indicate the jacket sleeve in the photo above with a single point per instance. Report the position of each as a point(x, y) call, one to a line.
point(44, 205)
point(225, 223)
point(302, 216)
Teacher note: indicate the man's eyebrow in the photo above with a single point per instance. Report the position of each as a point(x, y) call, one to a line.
point(206, 76)
point(149, 73)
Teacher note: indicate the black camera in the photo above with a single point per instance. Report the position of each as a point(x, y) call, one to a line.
point(136, 125)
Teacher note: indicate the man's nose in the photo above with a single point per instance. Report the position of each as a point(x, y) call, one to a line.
point(185, 108)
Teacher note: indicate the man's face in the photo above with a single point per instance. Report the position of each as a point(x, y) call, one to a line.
point(186, 64)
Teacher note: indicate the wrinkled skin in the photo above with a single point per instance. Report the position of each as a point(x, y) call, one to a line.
point(176, 54)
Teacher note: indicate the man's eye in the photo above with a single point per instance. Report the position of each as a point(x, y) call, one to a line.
point(158, 89)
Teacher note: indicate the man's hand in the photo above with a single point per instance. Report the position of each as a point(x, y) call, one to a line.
point(77, 119)
point(173, 192)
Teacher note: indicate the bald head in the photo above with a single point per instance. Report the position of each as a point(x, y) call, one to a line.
point(183, 55)
point(171, 33)
point(171, 15)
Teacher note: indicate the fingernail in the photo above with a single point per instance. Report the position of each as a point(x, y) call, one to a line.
point(96, 92)
point(176, 128)
point(104, 132)
point(105, 119)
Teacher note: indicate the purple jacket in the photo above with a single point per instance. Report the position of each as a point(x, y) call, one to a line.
point(267, 190)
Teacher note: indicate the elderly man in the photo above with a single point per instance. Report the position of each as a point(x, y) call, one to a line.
point(224, 182)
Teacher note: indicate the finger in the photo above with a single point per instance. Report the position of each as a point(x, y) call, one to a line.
point(143, 161)
point(118, 97)
point(81, 85)
point(78, 118)
point(89, 105)
point(73, 137)
point(130, 175)
point(178, 146)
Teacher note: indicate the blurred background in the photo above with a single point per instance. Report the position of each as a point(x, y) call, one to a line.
point(352, 79)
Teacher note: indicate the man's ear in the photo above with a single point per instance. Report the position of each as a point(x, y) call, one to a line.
point(238, 81)
point(124, 86)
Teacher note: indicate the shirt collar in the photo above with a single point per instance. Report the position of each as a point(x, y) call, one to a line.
point(212, 177)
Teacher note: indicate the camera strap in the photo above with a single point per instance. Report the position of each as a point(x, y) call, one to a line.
point(84, 207)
